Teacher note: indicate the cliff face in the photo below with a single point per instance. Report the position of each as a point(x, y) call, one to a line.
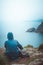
point(31, 30)
point(40, 28)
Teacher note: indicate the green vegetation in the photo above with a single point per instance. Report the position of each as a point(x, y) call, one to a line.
point(28, 46)
point(40, 48)
point(2, 60)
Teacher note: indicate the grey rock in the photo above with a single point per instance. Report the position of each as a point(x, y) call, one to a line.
point(40, 28)
point(36, 62)
point(31, 30)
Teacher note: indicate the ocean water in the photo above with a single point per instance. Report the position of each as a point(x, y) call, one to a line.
point(20, 34)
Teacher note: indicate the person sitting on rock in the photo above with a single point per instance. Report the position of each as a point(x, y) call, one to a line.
point(13, 48)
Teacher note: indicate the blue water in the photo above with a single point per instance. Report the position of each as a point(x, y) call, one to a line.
point(19, 32)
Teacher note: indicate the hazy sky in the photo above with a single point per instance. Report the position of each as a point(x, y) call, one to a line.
point(17, 10)
point(14, 13)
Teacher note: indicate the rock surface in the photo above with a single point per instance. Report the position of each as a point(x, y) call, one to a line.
point(31, 30)
point(38, 30)
point(36, 57)
point(37, 62)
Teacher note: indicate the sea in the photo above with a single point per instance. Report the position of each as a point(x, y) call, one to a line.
point(19, 31)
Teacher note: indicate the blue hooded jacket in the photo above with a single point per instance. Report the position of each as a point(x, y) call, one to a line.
point(12, 45)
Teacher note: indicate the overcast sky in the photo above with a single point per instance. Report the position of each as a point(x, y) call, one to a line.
point(15, 10)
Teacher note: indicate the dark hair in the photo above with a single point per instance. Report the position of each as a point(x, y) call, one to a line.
point(10, 36)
